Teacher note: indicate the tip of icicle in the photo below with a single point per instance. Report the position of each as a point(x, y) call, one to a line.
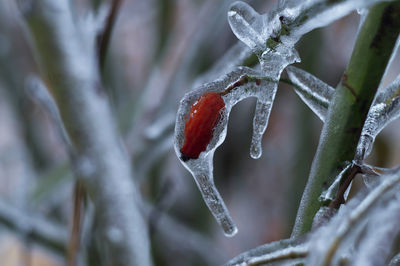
point(232, 232)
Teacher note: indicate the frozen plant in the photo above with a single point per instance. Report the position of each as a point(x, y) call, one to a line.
point(271, 37)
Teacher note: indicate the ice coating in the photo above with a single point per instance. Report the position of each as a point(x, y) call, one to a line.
point(272, 64)
point(385, 109)
point(329, 194)
point(317, 95)
point(314, 92)
point(288, 21)
point(359, 218)
point(241, 87)
point(312, 14)
point(247, 25)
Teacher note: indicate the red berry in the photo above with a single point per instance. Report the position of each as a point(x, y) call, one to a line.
point(203, 116)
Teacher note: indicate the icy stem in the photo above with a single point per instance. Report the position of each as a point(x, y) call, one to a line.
point(314, 92)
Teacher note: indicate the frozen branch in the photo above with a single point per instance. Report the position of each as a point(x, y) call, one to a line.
point(267, 253)
point(66, 51)
point(288, 253)
point(344, 226)
point(103, 39)
point(36, 228)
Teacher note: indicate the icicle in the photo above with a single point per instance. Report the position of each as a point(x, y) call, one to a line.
point(260, 122)
point(202, 173)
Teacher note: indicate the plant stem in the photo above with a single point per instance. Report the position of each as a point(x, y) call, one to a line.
point(350, 105)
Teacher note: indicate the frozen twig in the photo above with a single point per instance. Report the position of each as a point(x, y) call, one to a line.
point(75, 236)
point(38, 92)
point(103, 39)
point(67, 57)
point(288, 253)
point(38, 229)
point(358, 213)
point(265, 250)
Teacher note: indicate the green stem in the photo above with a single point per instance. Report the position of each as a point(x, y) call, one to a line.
point(349, 107)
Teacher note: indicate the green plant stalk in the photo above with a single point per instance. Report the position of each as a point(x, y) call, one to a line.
point(349, 107)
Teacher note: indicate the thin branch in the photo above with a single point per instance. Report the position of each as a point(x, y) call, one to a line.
point(38, 229)
point(75, 236)
point(70, 69)
point(264, 250)
point(103, 38)
point(339, 200)
point(297, 252)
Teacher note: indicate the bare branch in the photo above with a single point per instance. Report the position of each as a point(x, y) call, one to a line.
point(103, 39)
point(68, 61)
point(36, 228)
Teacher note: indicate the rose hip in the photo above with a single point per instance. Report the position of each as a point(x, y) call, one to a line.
point(203, 116)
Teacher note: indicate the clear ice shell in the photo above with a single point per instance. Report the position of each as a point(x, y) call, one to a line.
point(314, 92)
point(202, 167)
point(247, 25)
point(385, 109)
